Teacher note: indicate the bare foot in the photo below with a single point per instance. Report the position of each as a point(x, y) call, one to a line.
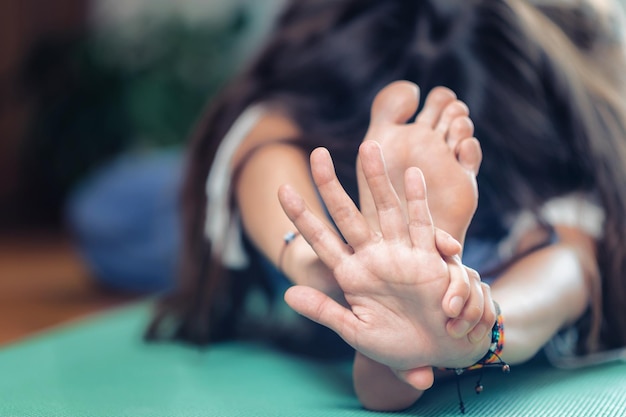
point(439, 142)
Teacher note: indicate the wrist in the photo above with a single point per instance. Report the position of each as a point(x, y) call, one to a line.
point(299, 262)
point(484, 345)
point(490, 359)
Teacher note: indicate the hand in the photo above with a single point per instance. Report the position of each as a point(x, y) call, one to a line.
point(439, 141)
point(393, 280)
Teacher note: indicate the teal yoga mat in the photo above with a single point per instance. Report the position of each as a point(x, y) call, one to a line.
point(101, 368)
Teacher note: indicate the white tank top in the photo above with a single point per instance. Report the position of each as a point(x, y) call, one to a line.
point(222, 227)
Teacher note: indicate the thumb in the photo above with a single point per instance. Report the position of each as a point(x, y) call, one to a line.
point(322, 309)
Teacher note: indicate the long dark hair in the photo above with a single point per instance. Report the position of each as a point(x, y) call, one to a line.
point(545, 96)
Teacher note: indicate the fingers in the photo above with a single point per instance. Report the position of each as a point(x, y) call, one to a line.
point(391, 218)
point(325, 242)
point(458, 291)
point(446, 244)
point(473, 310)
point(489, 317)
point(322, 309)
point(392, 222)
point(341, 208)
point(421, 229)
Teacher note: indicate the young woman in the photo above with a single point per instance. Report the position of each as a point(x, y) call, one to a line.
point(545, 87)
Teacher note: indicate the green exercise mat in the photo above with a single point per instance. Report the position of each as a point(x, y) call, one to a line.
point(100, 367)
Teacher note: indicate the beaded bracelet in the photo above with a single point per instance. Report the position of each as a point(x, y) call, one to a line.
point(287, 238)
point(491, 358)
point(495, 349)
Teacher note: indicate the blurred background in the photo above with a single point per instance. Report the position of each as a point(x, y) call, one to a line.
point(96, 102)
point(97, 98)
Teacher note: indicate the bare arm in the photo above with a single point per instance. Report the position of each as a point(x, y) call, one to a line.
point(263, 219)
point(544, 292)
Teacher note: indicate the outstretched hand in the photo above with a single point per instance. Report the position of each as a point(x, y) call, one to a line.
point(393, 280)
point(439, 141)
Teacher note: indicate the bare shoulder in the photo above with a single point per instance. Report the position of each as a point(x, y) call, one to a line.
point(272, 126)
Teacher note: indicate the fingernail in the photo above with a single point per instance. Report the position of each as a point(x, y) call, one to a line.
point(478, 334)
point(460, 328)
point(456, 304)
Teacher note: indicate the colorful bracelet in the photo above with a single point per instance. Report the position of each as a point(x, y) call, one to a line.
point(491, 359)
point(495, 349)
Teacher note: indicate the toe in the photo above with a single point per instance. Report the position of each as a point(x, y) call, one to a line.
point(452, 111)
point(434, 106)
point(395, 103)
point(469, 154)
point(460, 128)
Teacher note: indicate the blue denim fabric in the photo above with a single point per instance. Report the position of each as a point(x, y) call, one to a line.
point(125, 218)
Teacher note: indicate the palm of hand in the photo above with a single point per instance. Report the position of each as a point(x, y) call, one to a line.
point(394, 292)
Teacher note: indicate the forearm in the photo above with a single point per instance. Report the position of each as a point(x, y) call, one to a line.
point(378, 388)
point(264, 220)
point(539, 295)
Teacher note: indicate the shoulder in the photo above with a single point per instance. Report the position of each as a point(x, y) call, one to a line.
point(269, 125)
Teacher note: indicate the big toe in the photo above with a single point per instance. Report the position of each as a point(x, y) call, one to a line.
point(469, 154)
point(395, 103)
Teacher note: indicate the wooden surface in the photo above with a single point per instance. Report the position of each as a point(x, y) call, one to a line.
point(43, 283)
